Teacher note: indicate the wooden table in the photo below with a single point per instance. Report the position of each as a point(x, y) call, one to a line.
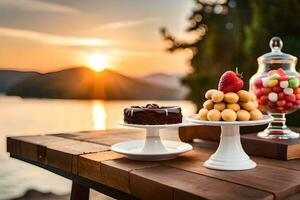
point(85, 158)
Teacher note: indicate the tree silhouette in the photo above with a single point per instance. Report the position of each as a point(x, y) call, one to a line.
point(230, 34)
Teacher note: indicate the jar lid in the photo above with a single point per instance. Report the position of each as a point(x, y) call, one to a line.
point(276, 55)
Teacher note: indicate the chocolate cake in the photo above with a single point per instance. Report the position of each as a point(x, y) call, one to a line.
point(152, 114)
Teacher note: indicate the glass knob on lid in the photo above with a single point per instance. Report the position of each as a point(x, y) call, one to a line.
point(276, 55)
point(276, 44)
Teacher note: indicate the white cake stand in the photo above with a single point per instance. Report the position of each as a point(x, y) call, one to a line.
point(230, 154)
point(152, 148)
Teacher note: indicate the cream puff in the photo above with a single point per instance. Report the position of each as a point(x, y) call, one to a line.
point(244, 96)
point(234, 106)
point(203, 114)
point(219, 106)
point(209, 93)
point(217, 96)
point(208, 104)
point(243, 115)
point(231, 97)
point(256, 115)
point(248, 105)
point(228, 115)
point(214, 115)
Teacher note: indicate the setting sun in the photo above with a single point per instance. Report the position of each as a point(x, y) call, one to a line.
point(97, 61)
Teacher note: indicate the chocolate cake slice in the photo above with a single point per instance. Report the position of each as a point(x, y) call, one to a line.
point(152, 114)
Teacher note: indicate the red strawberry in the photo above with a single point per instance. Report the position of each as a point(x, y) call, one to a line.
point(230, 82)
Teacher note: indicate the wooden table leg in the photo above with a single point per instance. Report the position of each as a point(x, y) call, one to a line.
point(79, 192)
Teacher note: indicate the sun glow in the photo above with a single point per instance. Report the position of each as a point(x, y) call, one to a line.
point(99, 115)
point(97, 61)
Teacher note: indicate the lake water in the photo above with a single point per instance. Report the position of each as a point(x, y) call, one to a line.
point(42, 116)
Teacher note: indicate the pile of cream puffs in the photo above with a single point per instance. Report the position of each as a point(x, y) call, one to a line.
point(230, 106)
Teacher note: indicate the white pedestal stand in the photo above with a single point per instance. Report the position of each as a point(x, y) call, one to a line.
point(152, 148)
point(153, 143)
point(230, 154)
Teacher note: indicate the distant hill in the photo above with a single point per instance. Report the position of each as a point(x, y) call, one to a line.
point(8, 78)
point(167, 80)
point(82, 83)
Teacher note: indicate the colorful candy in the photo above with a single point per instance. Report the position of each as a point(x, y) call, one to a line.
point(258, 83)
point(272, 83)
point(277, 92)
point(273, 97)
point(288, 91)
point(281, 103)
point(265, 82)
point(284, 84)
point(293, 82)
point(297, 90)
point(266, 90)
point(277, 89)
point(284, 78)
point(290, 98)
point(281, 96)
point(275, 76)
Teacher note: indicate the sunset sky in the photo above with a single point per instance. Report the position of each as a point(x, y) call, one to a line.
point(122, 35)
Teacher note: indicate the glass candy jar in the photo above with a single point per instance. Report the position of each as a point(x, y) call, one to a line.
point(276, 86)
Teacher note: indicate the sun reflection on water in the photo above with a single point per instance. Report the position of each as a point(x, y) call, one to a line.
point(99, 115)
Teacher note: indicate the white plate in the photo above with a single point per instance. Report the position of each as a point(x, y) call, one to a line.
point(184, 123)
point(194, 119)
point(134, 150)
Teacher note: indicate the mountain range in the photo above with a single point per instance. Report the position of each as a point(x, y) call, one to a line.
point(83, 83)
point(10, 77)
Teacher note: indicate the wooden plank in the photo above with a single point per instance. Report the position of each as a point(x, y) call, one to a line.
point(64, 155)
point(55, 151)
point(278, 149)
point(148, 187)
point(84, 135)
point(115, 173)
point(107, 137)
point(12, 146)
point(294, 197)
point(111, 139)
point(79, 192)
point(279, 181)
point(290, 164)
point(89, 164)
point(169, 183)
point(30, 147)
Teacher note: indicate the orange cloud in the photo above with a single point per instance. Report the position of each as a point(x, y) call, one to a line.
point(128, 23)
point(53, 39)
point(38, 5)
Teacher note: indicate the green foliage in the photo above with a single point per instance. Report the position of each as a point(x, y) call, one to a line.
point(233, 34)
